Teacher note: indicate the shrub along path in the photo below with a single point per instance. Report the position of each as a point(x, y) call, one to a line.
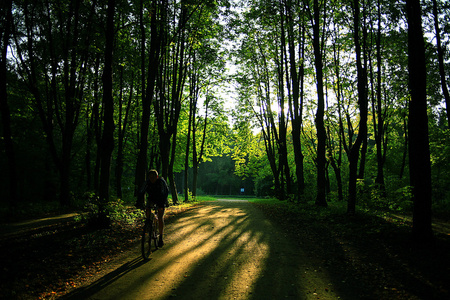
point(230, 250)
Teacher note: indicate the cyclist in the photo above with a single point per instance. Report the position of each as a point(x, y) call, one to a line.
point(157, 191)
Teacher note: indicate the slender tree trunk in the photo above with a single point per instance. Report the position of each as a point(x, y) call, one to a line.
point(72, 108)
point(363, 93)
point(4, 107)
point(440, 53)
point(354, 150)
point(419, 152)
point(173, 186)
point(107, 144)
point(405, 148)
point(294, 79)
point(120, 136)
point(197, 158)
point(297, 111)
point(282, 120)
point(319, 119)
point(149, 88)
point(188, 147)
point(170, 82)
point(379, 121)
point(88, 156)
point(336, 164)
point(122, 129)
point(193, 96)
point(96, 115)
point(141, 163)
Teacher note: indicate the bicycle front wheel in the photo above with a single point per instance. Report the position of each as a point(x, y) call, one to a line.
point(146, 240)
point(155, 232)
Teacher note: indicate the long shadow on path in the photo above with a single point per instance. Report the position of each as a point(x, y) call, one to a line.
point(221, 250)
point(105, 281)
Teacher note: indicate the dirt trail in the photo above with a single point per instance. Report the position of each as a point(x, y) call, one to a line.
point(219, 250)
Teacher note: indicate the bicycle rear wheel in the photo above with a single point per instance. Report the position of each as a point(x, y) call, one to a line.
point(146, 240)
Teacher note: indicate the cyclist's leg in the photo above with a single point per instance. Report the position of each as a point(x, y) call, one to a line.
point(146, 236)
point(161, 211)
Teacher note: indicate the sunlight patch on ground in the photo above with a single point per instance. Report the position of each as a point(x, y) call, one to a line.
point(223, 250)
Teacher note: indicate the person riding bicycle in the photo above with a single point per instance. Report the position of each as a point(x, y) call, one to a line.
point(157, 191)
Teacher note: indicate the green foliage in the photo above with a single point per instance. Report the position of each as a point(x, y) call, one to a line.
point(47, 120)
point(116, 210)
point(373, 197)
point(190, 197)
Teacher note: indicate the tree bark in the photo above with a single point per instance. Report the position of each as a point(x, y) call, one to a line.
point(379, 120)
point(170, 84)
point(192, 108)
point(354, 150)
point(440, 53)
point(122, 128)
point(319, 119)
point(4, 107)
point(149, 88)
point(107, 144)
point(419, 152)
point(197, 158)
point(297, 79)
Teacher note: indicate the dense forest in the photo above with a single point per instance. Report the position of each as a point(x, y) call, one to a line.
point(306, 101)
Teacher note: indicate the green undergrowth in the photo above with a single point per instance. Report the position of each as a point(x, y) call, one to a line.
point(86, 205)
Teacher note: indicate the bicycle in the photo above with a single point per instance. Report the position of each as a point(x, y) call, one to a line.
point(150, 232)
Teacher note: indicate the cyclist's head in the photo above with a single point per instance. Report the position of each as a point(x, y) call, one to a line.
point(152, 175)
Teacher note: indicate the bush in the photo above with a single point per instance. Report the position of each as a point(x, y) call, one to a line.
point(100, 215)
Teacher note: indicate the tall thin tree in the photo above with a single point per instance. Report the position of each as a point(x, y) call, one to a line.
point(6, 23)
point(354, 149)
point(419, 152)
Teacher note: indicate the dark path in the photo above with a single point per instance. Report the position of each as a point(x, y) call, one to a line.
point(15, 229)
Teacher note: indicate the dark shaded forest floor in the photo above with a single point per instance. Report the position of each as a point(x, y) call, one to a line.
point(373, 252)
point(46, 258)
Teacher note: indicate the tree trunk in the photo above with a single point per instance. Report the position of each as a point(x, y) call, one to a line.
point(363, 112)
point(173, 186)
point(379, 121)
point(198, 158)
point(193, 96)
point(405, 148)
point(419, 152)
point(170, 82)
point(336, 164)
point(147, 96)
point(440, 53)
point(320, 126)
point(4, 108)
point(297, 79)
point(122, 128)
point(96, 116)
point(107, 144)
point(188, 147)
